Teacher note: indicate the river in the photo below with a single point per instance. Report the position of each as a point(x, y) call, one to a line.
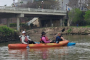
point(81, 51)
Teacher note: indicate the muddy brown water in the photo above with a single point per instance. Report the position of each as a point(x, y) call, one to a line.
point(81, 51)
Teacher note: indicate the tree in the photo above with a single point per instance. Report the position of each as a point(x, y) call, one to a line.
point(87, 16)
point(76, 17)
point(47, 4)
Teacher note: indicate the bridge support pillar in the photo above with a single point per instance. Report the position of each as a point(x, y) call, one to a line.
point(61, 22)
point(18, 21)
point(18, 27)
point(51, 23)
point(40, 25)
point(8, 22)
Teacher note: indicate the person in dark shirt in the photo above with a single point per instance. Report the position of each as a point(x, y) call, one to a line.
point(59, 38)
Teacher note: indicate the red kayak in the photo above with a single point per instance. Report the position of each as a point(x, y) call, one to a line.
point(41, 45)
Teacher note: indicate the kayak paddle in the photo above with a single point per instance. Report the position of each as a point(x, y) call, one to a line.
point(71, 44)
point(27, 45)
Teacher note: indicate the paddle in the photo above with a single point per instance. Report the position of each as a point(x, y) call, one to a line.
point(63, 30)
point(28, 45)
point(37, 42)
point(28, 41)
point(70, 43)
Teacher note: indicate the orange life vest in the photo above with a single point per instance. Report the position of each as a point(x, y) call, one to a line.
point(26, 39)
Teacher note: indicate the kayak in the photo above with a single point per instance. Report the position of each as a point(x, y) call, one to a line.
point(41, 45)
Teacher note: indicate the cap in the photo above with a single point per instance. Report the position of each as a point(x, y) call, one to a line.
point(43, 33)
point(23, 32)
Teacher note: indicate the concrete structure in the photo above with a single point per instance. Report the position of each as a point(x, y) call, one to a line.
point(34, 21)
point(24, 1)
point(16, 10)
point(63, 4)
point(83, 4)
point(9, 12)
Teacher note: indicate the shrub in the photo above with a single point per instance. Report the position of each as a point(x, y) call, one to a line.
point(6, 31)
point(69, 30)
point(14, 24)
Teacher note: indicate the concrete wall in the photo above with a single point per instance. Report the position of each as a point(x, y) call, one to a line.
point(36, 23)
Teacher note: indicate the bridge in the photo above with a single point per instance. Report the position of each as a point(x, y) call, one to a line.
point(9, 12)
point(16, 10)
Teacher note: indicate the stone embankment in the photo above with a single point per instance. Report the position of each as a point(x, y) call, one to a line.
point(67, 30)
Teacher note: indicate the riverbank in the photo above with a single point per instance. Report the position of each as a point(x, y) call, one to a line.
point(67, 30)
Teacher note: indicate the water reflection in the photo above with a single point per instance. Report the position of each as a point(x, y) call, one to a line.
point(19, 54)
point(36, 54)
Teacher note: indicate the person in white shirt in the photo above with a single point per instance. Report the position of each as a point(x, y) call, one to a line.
point(25, 39)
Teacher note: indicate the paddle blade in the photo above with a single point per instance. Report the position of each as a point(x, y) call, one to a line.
point(27, 47)
point(37, 42)
point(71, 44)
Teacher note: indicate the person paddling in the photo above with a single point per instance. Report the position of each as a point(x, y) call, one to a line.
point(44, 38)
point(59, 38)
point(25, 39)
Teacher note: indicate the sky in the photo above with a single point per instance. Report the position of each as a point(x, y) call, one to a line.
point(6, 2)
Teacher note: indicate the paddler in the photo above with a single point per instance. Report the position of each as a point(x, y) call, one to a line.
point(25, 39)
point(44, 38)
point(59, 38)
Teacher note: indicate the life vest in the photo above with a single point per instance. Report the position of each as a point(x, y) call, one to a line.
point(45, 38)
point(58, 39)
point(26, 39)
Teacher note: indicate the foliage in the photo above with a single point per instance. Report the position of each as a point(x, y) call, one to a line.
point(87, 16)
point(46, 4)
point(14, 24)
point(5, 31)
point(76, 16)
point(69, 30)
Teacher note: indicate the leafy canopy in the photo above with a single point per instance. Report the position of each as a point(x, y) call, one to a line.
point(87, 16)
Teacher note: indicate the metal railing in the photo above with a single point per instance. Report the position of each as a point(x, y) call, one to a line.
point(31, 10)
